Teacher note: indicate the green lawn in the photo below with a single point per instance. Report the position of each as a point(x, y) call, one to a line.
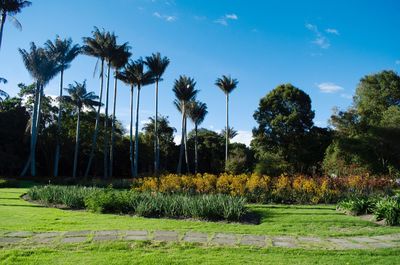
point(147, 253)
point(19, 215)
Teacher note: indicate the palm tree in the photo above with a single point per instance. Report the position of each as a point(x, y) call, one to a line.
point(126, 76)
point(42, 68)
point(227, 85)
point(157, 66)
point(96, 46)
point(197, 112)
point(120, 59)
point(184, 89)
point(79, 97)
point(232, 133)
point(10, 8)
point(64, 52)
point(139, 77)
point(3, 94)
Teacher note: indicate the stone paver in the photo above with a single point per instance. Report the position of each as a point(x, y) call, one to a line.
point(136, 235)
point(303, 242)
point(105, 238)
point(195, 237)
point(77, 233)
point(47, 234)
point(346, 244)
point(284, 241)
point(168, 236)
point(10, 240)
point(224, 239)
point(79, 239)
point(252, 240)
point(20, 234)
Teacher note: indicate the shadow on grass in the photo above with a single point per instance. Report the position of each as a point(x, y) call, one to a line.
point(22, 205)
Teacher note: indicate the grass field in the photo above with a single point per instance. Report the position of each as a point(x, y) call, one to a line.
point(19, 215)
point(148, 253)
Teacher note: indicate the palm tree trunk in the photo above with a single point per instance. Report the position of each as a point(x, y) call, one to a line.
point(156, 139)
point(186, 148)
point(33, 130)
point(113, 125)
point(57, 153)
point(195, 149)
point(96, 126)
point(130, 133)
point(106, 135)
point(227, 129)
point(135, 171)
point(78, 123)
point(3, 20)
point(179, 170)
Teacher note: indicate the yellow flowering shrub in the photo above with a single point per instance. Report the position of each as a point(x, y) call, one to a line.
point(261, 189)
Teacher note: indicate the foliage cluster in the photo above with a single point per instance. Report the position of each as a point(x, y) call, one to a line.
point(206, 207)
point(263, 189)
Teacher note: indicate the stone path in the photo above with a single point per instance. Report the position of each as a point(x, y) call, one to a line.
point(215, 239)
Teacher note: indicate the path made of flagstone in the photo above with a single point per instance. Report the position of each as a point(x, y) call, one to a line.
point(215, 239)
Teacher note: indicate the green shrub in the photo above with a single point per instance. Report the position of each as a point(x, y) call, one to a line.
point(208, 207)
point(357, 206)
point(70, 196)
point(388, 208)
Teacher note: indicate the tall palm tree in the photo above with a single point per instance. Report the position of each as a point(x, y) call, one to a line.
point(64, 52)
point(119, 60)
point(232, 133)
point(140, 77)
point(96, 46)
point(79, 97)
point(42, 68)
point(227, 85)
point(197, 112)
point(126, 76)
point(11, 8)
point(184, 90)
point(157, 66)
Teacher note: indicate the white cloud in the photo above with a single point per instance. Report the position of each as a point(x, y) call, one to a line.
point(346, 96)
point(329, 87)
point(224, 20)
point(320, 39)
point(243, 137)
point(231, 16)
point(397, 62)
point(165, 17)
point(200, 18)
point(332, 31)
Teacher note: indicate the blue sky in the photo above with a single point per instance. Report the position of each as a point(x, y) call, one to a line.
point(322, 47)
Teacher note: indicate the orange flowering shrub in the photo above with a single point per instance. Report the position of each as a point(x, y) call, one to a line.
point(262, 189)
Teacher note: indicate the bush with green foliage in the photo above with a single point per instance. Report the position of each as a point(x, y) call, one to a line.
point(388, 208)
point(357, 206)
point(207, 207)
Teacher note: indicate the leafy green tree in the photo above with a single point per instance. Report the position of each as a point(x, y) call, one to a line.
point(241, 159)
point(366, 136)
point(10, 8)
point(79, 97)
point(185, 92)
point(157, 65)
point(42, 68)
point(227, 85)
point(64, 52)
point(284, 119)
point(197, 112)
point(166, 141)
point(3, 94)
